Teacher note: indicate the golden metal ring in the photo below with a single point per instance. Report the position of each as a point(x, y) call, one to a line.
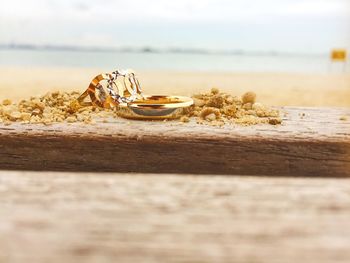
point(129, 100)
point(102, 99)
point(155, 107)
point(106, 97)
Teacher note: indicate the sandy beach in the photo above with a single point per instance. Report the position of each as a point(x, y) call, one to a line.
point(279, 89)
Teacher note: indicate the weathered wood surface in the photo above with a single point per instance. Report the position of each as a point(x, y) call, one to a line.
point(65, 217)
point(317, 144)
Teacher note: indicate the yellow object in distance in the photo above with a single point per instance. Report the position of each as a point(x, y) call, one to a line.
point(339, 55)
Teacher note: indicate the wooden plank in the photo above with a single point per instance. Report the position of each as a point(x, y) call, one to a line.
point(317, 144)
point(85, 217)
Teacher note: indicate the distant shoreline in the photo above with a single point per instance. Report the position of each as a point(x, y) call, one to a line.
point(152, 50)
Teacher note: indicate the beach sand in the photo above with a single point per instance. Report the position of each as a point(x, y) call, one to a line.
point(278, 89)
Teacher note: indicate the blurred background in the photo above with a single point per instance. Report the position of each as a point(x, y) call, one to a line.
point(279, 48)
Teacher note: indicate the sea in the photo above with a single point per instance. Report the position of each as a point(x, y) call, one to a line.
point(173, 61)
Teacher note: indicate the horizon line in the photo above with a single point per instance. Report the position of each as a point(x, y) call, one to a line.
point(148, 49)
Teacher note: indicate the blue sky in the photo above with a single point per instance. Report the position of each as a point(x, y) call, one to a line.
point(308, 26)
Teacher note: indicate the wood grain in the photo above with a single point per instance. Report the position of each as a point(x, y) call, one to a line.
point(86, 217)
point(311, 142)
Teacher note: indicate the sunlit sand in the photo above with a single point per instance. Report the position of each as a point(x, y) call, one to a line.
point(280, 89)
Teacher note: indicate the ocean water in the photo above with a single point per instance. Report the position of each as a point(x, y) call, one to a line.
point(172, 61)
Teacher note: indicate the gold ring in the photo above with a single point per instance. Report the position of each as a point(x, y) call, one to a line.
point(102, 99)
point(129, 100)
point(155, 107)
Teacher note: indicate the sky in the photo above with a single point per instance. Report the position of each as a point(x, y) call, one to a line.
point(303, 26)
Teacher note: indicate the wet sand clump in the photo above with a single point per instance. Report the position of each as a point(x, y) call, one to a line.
point(213, 108)
point(217, 108)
